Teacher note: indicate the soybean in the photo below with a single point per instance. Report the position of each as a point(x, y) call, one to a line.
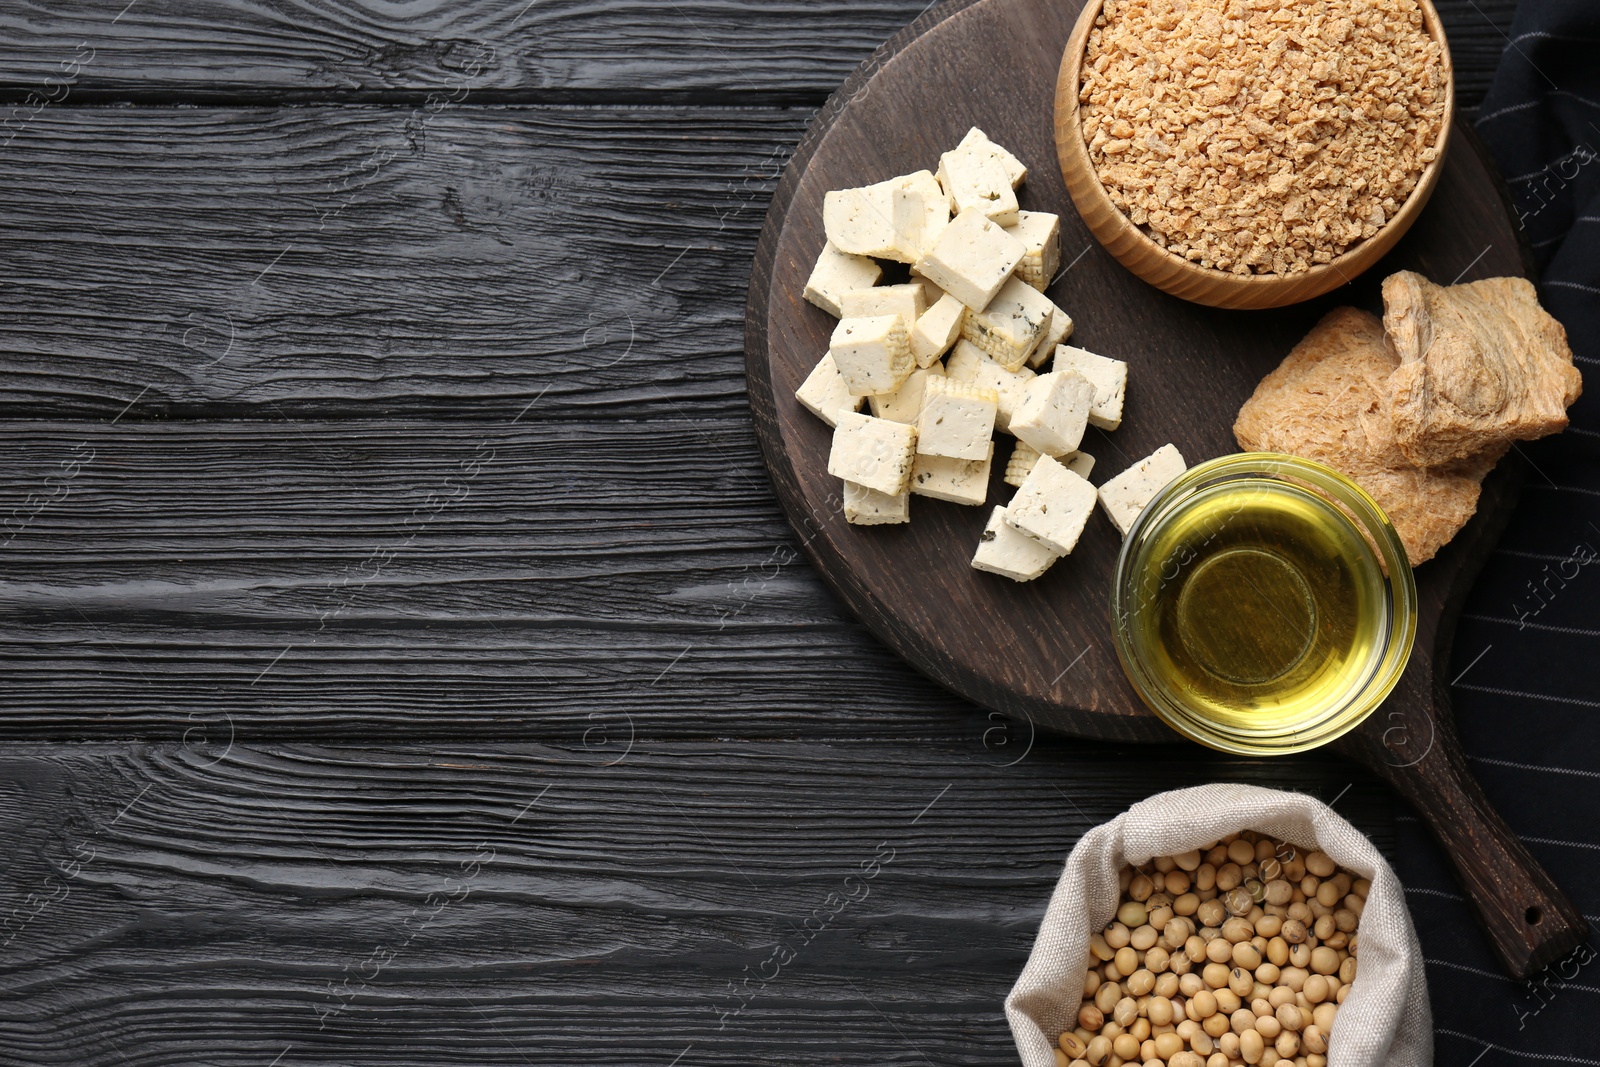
point(1131, 914)
point(1238, 952)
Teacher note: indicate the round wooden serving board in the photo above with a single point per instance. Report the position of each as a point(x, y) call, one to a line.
point(1044, 649)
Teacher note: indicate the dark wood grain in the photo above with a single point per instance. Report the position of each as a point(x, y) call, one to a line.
point(800, 49)
point(380, 261)
point(485, 579)
point(1044, 649)
point(533, 904)
point(544, 49)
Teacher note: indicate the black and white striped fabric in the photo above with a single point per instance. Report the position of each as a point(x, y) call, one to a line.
point(1527, 655)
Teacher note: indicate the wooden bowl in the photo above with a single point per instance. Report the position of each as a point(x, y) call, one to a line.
point(1206, 285)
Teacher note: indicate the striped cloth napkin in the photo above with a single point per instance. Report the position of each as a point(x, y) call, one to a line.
point(1527, 653)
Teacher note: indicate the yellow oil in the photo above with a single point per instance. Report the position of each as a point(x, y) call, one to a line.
point(1260, 607)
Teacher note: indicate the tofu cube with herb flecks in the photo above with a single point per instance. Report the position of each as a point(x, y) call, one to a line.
point(1040, 234)
point(959, 481)
point(971, 259)
point(1007, 551)
point(837, 273)
point(1109, 378)
point(824, 393)
point(894, 219)
point(909, 301)
point(868, 507)
point(1060, 329)
point(937, 330)
point(905, 403)
point(875, 453)
point(1126, 496)
point(860, 222)
point(1054, 412)
point(873, 353)
point(1012, 325)
point(978, 141)
point(968, 363)
point(957, 419)
point(1052, 506)
point(976, 180)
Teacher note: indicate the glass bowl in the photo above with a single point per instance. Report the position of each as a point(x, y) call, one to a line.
point(1263, 604)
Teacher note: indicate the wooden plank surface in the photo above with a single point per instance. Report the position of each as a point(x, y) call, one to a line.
point(324, 261)
point(543, 904)
point(542, 48)
point(432, 579)
point(799, 50)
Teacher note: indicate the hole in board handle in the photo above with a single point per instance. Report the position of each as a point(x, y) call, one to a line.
point(1534, 916)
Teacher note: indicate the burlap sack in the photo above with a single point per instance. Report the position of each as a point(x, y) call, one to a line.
point(1385, 1020)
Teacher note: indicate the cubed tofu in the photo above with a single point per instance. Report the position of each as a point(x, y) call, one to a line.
point(968, 363)
point(874, 453)
point(1040, 234)
point(1079, 463)
point(1054, 412)
point(868, 507)
point(1060, 329)
point(972, 259)
point(977, 140)
point(836, 274)
point(1015, 321)
point(873, 354)
point(905, 403)
point(1021, 463)
point(909, 301)
point(975, 179)
point(1052, 506)
point(936, 330)
point(1126, 496)
point(920, 216)
point(957, 419)
point(935, 205)
point(1024, 456)
point(960, 481)
point(1110, 380)
point(1009, 552)
point(860, 222)
point(824, 393)
point(889, 220)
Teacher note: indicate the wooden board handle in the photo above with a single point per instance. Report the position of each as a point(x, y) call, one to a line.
point(1530, 922)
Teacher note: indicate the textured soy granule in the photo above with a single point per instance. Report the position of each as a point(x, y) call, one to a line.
point(1261, 136)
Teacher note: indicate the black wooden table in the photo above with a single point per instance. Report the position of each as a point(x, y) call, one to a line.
point(404, 659)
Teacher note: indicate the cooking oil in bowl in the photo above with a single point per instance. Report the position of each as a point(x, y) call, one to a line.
point(1258, 612)
point(1274, 615)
